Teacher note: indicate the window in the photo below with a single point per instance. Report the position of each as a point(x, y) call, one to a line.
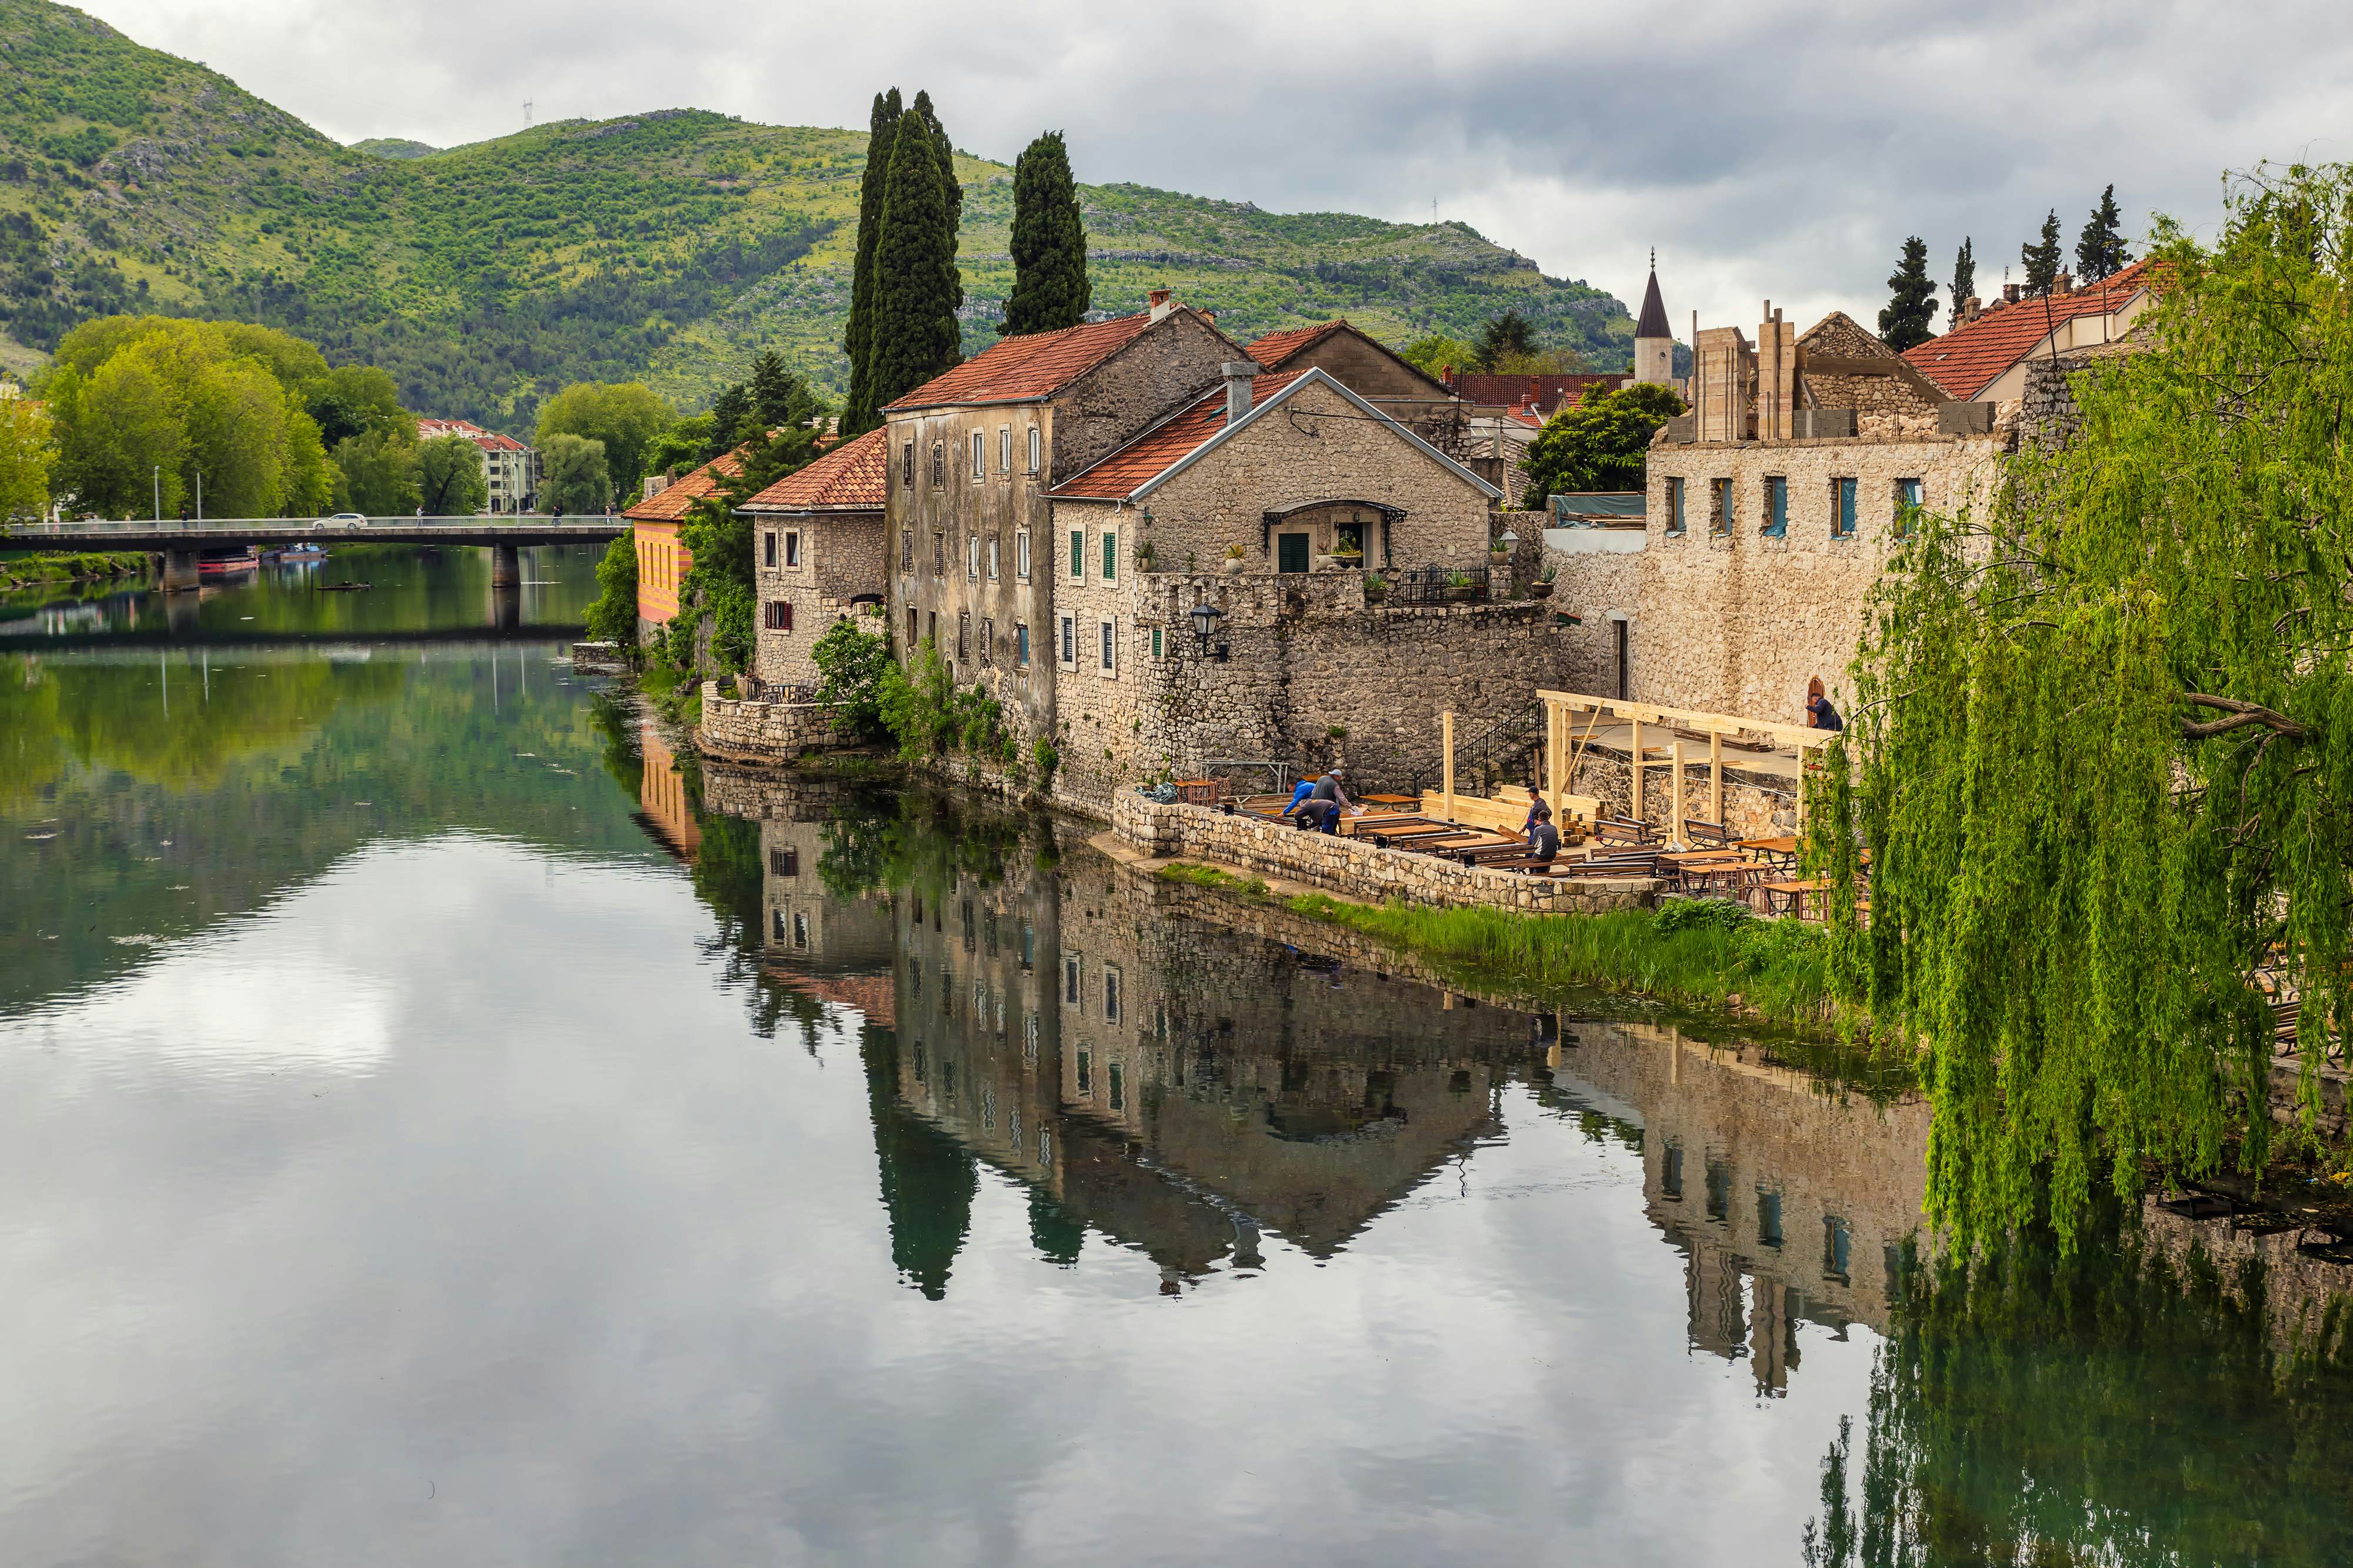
point(1111, 995)
point(987, 642)
point(800, 930)
point(1837, 1249)
point(1719, 1190)
point(939, 464)
point(932, 628)
point(1110, 554)
point(992, 558)
point(1842, 509)
point(972, 556)
point(1072, 978)
point(792, 549)
point(777, 925)
point(1037, 447)
point(907, 550)
point(1078, 554)
point(768, 548)
point(963, 635)
point(907, 466)
point(1907, 503)
point(783, 862)
point(1670, 1172)
point(1021, 554)
point(1118, 1088)
point(1155, 642)
point(910, 630)
point(1030, 962)
point(939, 554)
point(1087, 1073)
point(1020, 646)
point(1769, 1219)
point(1674, 506)
point(780, 616)
point(1070, 643)
point(1110, 642)
point(1004, 448)
point(1719, 511)
point(979, 457)
point(1777, 507)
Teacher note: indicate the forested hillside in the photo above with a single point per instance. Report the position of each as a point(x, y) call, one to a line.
point(670, 246)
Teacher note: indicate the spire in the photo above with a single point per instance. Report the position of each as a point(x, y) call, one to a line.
point(1653, 321)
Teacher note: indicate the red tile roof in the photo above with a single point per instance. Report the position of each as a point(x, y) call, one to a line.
point(1544, 392)
point(850, 478)
point(489, 440)
point(670, 503)
point(1272, 350)
point(1971, 357)
point(1158, 449)
point(1034, 365)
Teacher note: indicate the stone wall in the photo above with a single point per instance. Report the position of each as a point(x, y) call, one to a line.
point(840, 560)
point(763, 731)
point(1359, 869)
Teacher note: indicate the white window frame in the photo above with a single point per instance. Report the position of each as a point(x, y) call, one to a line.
point(992, 558)
point(1021, 644)
point(979, 456)
point(1109, 651)
point(1004, 448)
point(1021, 554)
point(1037, 448)
point(1067, 647)
point(972, 556)
point(792, 556)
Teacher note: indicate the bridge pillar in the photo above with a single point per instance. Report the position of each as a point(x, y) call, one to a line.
point(506, 566)
point(180, 571)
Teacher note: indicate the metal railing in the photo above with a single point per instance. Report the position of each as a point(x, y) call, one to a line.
point(1441, 584)
point(99, 528)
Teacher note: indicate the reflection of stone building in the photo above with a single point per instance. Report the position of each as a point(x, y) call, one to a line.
point(1788, 1202)
point(836, 949)
point(662, 795)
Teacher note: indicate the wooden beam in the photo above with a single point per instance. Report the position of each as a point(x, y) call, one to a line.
point(1446, 739)
point(1675, 832)
point(1716, 778)
point(1635, 796)
point(1797, 735)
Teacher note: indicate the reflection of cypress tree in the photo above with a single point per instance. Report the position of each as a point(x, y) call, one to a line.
point(928, 1179)
point(1052, 1231)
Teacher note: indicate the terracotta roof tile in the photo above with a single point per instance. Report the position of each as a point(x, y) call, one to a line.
point(1158, 449)
point(1969, 358)
point(1545, 394)
point(850, 478)
point(1037, 364)
point(1274, 348)
point(670, 503)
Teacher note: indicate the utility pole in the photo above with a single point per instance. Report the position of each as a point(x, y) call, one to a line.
point(159, 492)
point(526, 114)
point(200, 495)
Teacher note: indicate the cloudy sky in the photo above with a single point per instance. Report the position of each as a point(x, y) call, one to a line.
point(1767, 148)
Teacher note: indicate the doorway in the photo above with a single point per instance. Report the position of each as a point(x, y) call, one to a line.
point(1291, 552)
point(1624, 691)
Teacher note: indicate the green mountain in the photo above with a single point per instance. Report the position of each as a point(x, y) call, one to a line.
point(670, 246)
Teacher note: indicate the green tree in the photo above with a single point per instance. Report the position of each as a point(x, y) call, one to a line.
point(688, 444)
point(2043, 257)
point(2102, 750)
point(627, 417)
point(916, 289)
point(613, 616)
point(732, 419)
point(1601, 442)
point(451, 478)
point(28, 450)
point(720, 585)
point(1051, 290)
point(353, 400)
point(1965, 279)
point(850, 659)
point(1436, 352)
point(857, 414)
point(1503, 337)
point(121, 429)
point(576, 475)
point(1913, 302)
point(778, 397)
point(2100, 252)
point(379, 470)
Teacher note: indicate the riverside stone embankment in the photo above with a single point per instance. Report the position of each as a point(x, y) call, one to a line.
point(756, 732)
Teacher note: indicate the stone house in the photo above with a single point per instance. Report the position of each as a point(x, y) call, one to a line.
point(817, 554)
point(1984, 357)
point(1770, 513)
point(973, 454)
point(1314, 535)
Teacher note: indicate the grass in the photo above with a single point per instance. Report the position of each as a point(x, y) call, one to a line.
point(69, 567)
point(1247, 888)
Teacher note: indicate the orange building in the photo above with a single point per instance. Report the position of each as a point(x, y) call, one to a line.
point(662, 561)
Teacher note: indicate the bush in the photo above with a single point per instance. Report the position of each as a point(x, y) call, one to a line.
point(613, 616)
point(1701, 915)
point(852, 662)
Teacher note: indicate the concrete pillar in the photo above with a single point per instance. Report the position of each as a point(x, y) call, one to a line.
point(180, 572)
point(506, 566)
point(506, 607)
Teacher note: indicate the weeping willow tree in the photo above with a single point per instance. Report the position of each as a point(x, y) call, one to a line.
point(2103, 752)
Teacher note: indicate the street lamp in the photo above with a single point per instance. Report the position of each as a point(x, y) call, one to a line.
point(1205, 618)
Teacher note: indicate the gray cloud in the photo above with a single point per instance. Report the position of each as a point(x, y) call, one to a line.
point(1767, 148)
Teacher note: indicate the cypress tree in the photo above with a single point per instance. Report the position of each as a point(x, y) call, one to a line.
point(1965, 278)
point(913, 334)
point(2101, 252)
point(2041, 258)
point(858, 412)
point(1051, 290)
point(1913, 306)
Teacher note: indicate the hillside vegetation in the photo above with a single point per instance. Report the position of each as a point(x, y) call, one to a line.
point(670, 246)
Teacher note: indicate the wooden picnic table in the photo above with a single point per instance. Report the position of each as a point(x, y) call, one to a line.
point(1404, 800)
point(1785, 846)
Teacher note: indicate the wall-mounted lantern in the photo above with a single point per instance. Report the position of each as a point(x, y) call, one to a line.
point(1205, 618)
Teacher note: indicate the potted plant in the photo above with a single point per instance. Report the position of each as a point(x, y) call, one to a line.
point(1234, 561)
point(1145, 556)
point(1460, 584)
point(1542, 587)
point(1377, 587)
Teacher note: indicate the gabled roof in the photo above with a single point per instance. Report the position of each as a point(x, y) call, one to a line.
point(850, 478)
point(1271, 351)
point(1652, 322)
point(1027, 368)
point(1200, 425)
point(488, 440)
point(1972, 356)
point(670, 503)
point(1543, 392)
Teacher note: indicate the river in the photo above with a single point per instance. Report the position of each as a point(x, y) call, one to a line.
point(434, 1125)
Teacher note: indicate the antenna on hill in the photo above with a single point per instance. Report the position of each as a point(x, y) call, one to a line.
point(526, 114)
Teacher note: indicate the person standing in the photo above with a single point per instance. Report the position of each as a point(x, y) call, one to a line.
point(1544, 838)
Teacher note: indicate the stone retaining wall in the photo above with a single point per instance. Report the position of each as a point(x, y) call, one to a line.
point(763, 731)
point(1359, 869)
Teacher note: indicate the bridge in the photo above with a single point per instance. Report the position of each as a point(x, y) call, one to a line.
point(181, 544)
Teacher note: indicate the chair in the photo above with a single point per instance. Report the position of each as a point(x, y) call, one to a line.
point(1705, 832)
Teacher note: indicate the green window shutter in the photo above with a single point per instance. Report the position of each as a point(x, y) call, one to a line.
point(1078, 553)
point(1110, 555)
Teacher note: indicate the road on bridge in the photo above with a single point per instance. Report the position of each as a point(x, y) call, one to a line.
point(182, 542)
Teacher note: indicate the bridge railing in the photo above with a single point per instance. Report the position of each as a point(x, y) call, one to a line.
point(99, 528)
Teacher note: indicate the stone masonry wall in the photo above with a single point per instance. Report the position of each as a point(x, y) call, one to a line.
point(1359, 869)
point(762, 732)
point(840, 560)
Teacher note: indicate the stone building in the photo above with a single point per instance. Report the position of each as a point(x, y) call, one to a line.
point(1984, 357)
point(1373, 371)
point(817, 554)
point(509, 468)
point(973, 452)
point(1771, 511)
point(1316, 536)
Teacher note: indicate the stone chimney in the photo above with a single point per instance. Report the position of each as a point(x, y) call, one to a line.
point(1160, 305)
point(2011, 291)
point(1238, 374)
point(2063, 284)
point(1971, 309)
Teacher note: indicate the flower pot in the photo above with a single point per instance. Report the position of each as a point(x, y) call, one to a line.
point(1539, 590)
point(1234, 566)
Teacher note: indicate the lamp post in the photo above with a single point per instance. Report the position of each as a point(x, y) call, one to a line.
point(159, 492)
point(1205, 618)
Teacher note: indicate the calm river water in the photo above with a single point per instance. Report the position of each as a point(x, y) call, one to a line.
point(436, 1127)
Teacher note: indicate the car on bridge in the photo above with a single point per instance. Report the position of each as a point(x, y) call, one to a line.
point(342, 520)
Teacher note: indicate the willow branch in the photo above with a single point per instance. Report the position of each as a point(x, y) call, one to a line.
point(2242, 714)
